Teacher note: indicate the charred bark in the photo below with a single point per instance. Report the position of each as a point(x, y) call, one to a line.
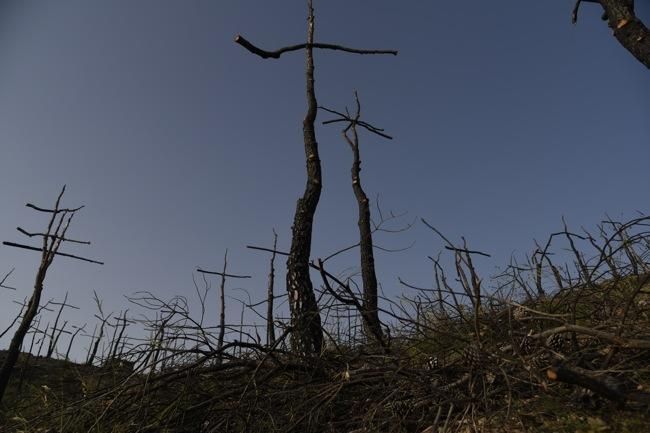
point(369, 309)
point(307, 335)
point(628, 29)
point(55, 235)
point(368, 273)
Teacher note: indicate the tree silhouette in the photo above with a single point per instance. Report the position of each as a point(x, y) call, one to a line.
point(307, 334)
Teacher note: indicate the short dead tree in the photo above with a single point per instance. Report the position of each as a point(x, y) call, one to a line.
point(53, 238)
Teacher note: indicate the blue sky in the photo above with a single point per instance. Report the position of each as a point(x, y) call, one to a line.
point(181, 144)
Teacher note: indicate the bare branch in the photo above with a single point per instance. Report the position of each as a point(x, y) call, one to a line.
point(31, 235)
point(2, 282)
point(277, 53)
point(72, 256)
point(223, 274)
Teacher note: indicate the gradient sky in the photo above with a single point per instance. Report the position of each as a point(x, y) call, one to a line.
point(181, 144)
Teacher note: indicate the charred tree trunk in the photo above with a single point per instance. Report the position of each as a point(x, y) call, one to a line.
point(116, 353)
point(54, 337)
point(222, 306)
point(270, 328)
point(52, 239)
point(370, 306)
point(95, 346)
point(369, 309)
point(306, 335)
point(222, 296)
point(17, 340)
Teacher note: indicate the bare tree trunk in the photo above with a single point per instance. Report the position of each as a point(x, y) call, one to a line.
point(17, 340)
point(306, 335)
point(25, 324)
point(95, 347)
point(42, 341)
point(104, 319)
point(368, 274)
point(369, 309)
point(52, 239)
point(116, 353)
point(158, 341)
point(67, 352)
point(222, 306)
point(270, 329)
point(52, 345)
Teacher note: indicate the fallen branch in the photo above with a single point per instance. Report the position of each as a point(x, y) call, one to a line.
point(571, 376)
point(625, 343)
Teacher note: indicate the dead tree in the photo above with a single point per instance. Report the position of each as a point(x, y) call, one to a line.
point(222, 296)
point(114, 349)
point(56, 331)
point(74, 335)
point(628, 29)
point(370, 312)
point(222, 305)
point(270, 329)
point(307, 333)
point(53, 237)
point(94, 346)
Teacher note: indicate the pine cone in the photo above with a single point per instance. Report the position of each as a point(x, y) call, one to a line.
point(556, 342)
point(541, 361)
point(527, 344)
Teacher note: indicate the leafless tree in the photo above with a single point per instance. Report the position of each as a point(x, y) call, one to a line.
point(53, 237)
point(270, 329)
point(94, 344)
point(369, 312)
point(307, 333)
point(222, 296)
point(121, 323)
point(72, 338)
point(222, 304)
point(56, 331)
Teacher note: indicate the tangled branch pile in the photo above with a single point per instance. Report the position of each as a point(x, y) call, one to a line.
point(545, 338)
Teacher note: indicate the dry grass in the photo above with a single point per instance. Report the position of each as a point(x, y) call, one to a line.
point(494, 361)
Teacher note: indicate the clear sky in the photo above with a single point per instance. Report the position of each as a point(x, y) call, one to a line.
point(181, 144)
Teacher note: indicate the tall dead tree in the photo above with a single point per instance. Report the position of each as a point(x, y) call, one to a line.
point(370, 307)
point(222, 304)
point(270, 328)
point(54, 236)
point(307, 334)
point(628, 29)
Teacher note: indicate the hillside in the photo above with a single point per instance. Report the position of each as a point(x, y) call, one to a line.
point(432, 378)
